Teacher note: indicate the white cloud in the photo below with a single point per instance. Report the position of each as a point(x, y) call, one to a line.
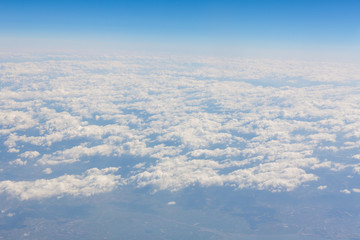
point(175, 174)
point(322, 187)
point(18, 161)
point(47, 170)
point(346, 191)
point(94, 181)
point(10, 214)
point(11, 120)
point(187, 123)
point(30, 154)
point(13, 150)
point(73, 154)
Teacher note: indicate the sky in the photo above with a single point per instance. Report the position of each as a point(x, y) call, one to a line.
point(123, 141)
point(328, 28)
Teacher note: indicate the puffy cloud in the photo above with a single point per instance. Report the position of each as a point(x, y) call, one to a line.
point(217, 152)
point(30, 154)
point(346, 191)
point(12, 120)
point(18, 161)
point(191, 121)
point(175, 174)
point(10, 214)
point(272, 176)
point(73, 154)
point(93, 181)
point(47, 170)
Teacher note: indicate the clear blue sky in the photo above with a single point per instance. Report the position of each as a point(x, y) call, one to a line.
point(296, 25)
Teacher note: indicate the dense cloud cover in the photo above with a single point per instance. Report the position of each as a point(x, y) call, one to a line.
point(83, 126)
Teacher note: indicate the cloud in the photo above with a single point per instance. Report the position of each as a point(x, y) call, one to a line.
point(244, 123)
point(346, 191)
point(175, 174)
point(73, 154)
point(10, 214)
point(30, 154)
point(18, 161)
point(93, 181)
point(47, 170)
point(322, 187)
point(13, 120)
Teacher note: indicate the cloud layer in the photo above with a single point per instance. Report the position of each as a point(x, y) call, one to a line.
point(92, 182)
point(261, 124)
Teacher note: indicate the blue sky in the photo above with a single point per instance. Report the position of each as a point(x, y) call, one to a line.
point(273, 26)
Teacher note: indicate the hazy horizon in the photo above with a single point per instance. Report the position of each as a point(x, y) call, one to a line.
point(326, 30)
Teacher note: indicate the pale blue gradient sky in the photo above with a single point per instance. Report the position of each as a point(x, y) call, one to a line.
point(330, 29)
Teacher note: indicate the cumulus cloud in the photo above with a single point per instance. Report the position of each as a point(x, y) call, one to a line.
point(47, 170)
point(245, 123)
point(175, 174)
point(73, 154)
point(18, 161)
point(93, 181)
point(13, 120)
point(10, 214)
point(30, 154)
point(346, 191)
